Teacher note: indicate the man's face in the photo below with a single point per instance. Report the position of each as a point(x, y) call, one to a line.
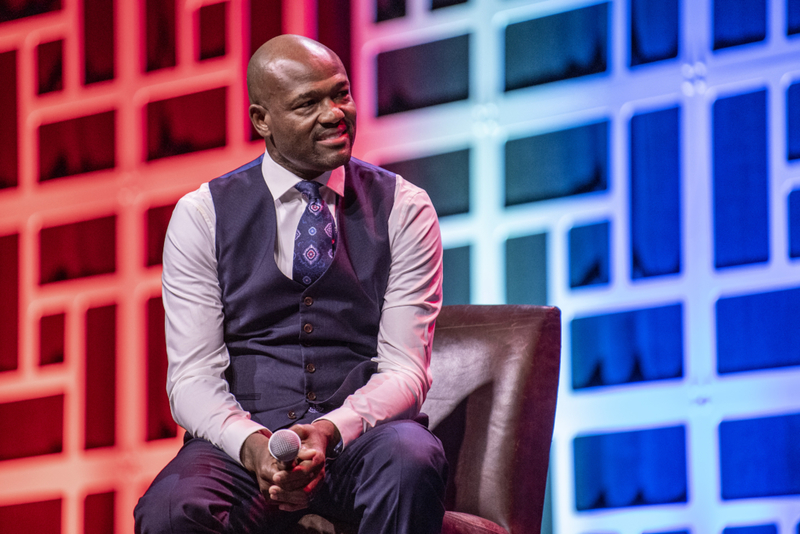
point(310, 115)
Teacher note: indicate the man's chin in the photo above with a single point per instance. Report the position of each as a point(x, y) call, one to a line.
point(341, 159)
point(338, 156)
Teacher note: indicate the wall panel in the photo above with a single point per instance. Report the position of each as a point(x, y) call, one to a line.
point(112, 110)
point(634, 163)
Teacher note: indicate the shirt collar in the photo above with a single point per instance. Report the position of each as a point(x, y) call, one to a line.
point(281, 180)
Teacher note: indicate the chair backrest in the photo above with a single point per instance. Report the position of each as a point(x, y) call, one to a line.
point(495, 380)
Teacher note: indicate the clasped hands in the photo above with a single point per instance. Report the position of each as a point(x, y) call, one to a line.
point(290, 485)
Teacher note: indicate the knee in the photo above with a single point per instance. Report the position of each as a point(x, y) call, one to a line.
point(172, 506)
point(152, 512)
point(420, 453)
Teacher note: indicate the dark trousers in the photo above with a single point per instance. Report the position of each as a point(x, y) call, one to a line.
point(389, 480)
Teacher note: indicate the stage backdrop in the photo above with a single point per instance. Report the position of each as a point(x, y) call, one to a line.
point(634, 162)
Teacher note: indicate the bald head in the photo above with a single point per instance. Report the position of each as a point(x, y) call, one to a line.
point(300, 103)
point(276, 56)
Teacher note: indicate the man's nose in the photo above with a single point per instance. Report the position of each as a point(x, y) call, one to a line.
point(331, 113)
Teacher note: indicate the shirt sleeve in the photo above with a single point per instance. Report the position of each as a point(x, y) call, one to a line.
point(199, 395)
point(412, 302)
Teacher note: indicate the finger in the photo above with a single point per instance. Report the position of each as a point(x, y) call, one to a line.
point(300, 430)
point(298, 497)
point(293, 481)
point(307, 455)
point(309, 489)
point(298, 485)
point(299, 476)
point(284, 466)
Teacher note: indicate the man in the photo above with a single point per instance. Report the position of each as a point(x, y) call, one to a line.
point(300, 291)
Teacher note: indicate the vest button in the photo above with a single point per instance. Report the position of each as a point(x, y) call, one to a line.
point(308, 328)
point(310, 368)
point(291, 415)
point(308, 301)
point(311, 396)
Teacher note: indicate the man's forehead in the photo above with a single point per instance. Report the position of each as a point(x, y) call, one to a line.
point(296, 77)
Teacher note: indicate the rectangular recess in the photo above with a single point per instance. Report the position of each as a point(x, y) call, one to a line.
point(176, 125)
point(655, 209)
point(794, 224)
point(212, 25)
point(9, 133)
point(266, 19)
point(160, 424)
point(38, 427)
point(622, 469)
point(76, 146)
point(51, 339)
point(557, 47)
point(760, 457)
point(159, 35)
point(100, 405)
point(19, 9)
point(156, 223)
point(741, 180)
point(98, 513)
point(9, 301)
point(751, 529)
point(557, 164)
point(265, 22)
point(793, 121)
point(758, 331)
point(389, 9)
point(98, 41)
point(655, 30)
point(50, 66)
point(456, 283)
point(77, 250)
point(590, 255)
point(738, 22)
point(333, 28)
point(445, 177)
point(41, 517)
point(792, 21)
point(627, 347)
point(438, 4)
point(423, 75)
point(526, 270)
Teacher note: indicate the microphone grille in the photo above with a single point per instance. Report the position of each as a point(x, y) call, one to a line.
point(284, 445)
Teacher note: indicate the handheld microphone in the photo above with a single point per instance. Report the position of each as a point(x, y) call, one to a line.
point(284, 445)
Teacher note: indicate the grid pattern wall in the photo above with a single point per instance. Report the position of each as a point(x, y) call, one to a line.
point(634, 162)
point(111, 111)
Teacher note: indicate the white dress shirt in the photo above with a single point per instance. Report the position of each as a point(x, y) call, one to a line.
point(199, 395)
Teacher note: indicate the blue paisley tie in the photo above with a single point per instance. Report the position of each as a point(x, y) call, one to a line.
point(315, 238)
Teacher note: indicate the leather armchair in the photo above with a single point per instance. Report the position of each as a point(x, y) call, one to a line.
point(495, 380)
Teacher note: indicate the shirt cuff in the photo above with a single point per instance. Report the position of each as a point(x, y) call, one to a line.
point(235, 435)
point(348, 422)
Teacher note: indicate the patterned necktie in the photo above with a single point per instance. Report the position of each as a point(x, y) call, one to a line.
point(315, 238)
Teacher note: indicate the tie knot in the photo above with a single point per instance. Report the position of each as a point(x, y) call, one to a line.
point(309, 188)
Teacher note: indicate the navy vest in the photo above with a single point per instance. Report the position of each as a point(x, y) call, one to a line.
point(296, 351)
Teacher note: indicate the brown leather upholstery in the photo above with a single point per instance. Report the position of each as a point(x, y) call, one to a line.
point(495, 380)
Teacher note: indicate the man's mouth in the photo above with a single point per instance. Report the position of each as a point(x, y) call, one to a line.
point(335, 136)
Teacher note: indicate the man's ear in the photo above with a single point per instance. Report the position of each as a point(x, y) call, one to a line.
point(259, 116)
